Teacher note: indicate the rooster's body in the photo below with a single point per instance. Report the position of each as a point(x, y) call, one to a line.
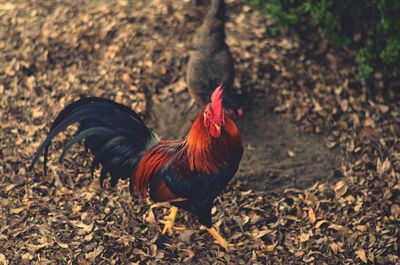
point(188, 173)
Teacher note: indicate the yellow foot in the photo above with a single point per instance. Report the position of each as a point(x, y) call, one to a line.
point(170, 221)
point(218, 237)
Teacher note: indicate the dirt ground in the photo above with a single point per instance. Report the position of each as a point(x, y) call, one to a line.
point(319, 181)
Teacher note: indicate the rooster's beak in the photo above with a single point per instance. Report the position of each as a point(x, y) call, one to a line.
point(218, 128)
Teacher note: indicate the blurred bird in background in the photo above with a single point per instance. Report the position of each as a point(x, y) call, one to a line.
point(211, 62)
point(188, 173)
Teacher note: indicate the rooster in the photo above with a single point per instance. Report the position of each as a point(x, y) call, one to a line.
point(188, 174)
point(211, 61)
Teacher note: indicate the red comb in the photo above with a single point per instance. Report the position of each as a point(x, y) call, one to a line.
point(216, 102)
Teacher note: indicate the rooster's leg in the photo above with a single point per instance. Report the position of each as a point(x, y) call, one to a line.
point(170, 220)
point(217, 237)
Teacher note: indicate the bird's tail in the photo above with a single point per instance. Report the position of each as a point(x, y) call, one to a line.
point(115, 134)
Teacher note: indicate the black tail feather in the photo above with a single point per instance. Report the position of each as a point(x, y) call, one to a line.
point(82, 135)
point(115, 135)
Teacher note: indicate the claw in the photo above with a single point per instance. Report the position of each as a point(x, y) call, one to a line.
point(169, 221)
point(221, 241)
point(170, 228)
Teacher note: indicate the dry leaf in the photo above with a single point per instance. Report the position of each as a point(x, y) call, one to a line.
point(61, 244)
point(76, 209)
point(17, 210)
point(319, 223)
point(304, 237)
point(362, 228)
point(27, 256)
point(10, 187)
point(250, 147)
point(369, 123)
point(395, 211)
point(150, 218)
point(35, 248)
point(3, 260)
point(37, 112)
point(334, 247)
point(338, 227)
point(311, 216)
point(89, 237)
point(186, 235)
point(91, 256)
point(258, 234)
point(272, 247)
point(84, 227)
point(127, 79)
point(153, 250)
point(361, 254)
point(140, 252)
point(383, 167)
point(291, 153)
point(190, 253)
point(340, 188)
point(30, 83)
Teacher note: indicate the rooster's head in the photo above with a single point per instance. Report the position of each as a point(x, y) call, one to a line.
point(214, 118)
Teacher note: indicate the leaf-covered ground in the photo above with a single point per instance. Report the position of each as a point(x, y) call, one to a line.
point(135, 52)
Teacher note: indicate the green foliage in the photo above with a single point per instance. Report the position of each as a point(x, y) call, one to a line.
point(375, 22)
point(390, 54)
point(364, 62)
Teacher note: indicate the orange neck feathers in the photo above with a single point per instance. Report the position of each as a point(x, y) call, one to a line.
point(206, 153)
